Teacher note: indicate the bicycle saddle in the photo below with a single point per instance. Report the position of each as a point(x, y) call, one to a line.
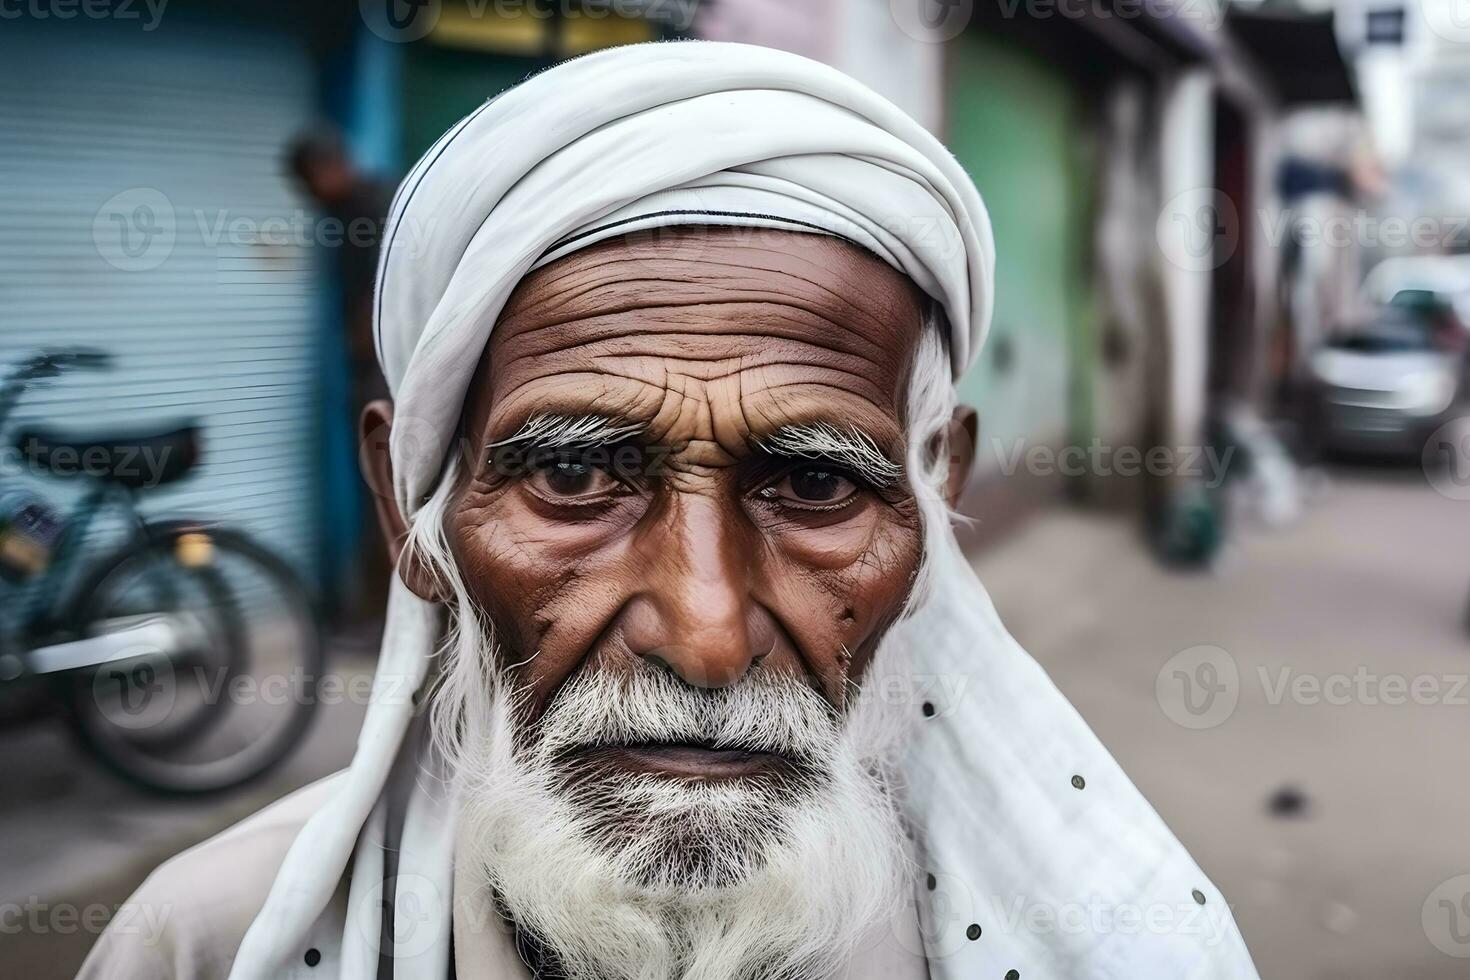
point(135, 461)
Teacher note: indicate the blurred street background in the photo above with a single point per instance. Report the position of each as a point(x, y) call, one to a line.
point(1224, 482)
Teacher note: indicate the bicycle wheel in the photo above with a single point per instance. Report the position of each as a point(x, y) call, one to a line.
point(236, 697)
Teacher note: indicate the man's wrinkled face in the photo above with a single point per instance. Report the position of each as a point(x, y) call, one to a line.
point(683, 515)
point(689, 455)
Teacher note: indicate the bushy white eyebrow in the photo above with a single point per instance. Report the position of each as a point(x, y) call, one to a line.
point(547, 430)
point(850, 448)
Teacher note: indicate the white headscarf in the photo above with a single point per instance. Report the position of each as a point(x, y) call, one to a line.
point(1045, 859)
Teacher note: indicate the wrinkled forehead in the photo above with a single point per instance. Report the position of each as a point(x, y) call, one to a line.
point(750, 320)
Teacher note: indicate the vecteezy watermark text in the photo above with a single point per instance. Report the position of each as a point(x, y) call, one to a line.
point(1200, 687)
point(142, 464)
point(1205, 463)
point(1097, 917)
point(1199, 229)
point(39, 917)
point(149, 12)
point(1360, 228)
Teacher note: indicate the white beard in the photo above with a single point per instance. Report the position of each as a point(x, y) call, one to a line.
point(632, 876)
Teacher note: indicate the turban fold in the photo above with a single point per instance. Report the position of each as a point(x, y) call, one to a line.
point(703, 133)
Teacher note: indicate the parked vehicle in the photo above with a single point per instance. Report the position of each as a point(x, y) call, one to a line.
point(1385, 384)
point(187, 658)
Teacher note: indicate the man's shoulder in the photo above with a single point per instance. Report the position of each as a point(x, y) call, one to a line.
point(188, 917)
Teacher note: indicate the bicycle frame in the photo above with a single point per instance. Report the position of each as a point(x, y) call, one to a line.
point(51, 645)
point(47, 605)
point(45, 612)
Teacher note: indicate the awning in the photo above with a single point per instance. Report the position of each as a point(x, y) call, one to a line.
point(1299, 55)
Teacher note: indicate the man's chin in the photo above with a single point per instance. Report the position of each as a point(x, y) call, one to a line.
point(623, 866)
point(670, 834)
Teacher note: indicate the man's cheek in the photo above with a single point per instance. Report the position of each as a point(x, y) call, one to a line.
point(503, 542)
point(568, 622)
point(839, 618)
point(830, 547)
point(878, 587)
point(503, 575)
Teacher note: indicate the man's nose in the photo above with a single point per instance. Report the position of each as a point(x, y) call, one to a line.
point(695, 614)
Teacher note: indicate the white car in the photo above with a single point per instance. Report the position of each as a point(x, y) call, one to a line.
point(1385, 385)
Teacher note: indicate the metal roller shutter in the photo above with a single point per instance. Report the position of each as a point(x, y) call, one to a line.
point(174, 139)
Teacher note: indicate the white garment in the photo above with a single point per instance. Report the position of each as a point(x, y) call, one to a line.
point(1035, 874)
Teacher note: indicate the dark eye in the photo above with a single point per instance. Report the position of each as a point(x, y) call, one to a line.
point(571, 475)
point(813, 486)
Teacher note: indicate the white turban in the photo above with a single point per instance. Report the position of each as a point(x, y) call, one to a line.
point(704, 133)
point(645, 136)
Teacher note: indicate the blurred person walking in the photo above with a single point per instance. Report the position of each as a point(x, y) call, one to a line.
point(355, 206)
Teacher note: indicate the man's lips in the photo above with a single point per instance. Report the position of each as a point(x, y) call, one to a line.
point(685, 760)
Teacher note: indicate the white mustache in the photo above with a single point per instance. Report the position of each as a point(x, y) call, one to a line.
point(762, 713)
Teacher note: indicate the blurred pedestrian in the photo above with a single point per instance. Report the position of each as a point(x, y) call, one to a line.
point(355, 206)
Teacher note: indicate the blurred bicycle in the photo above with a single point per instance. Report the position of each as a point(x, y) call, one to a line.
point(188, 658)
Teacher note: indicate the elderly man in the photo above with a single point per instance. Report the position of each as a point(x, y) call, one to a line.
point(684, 674)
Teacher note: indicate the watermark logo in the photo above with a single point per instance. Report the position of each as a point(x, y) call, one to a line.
point(419, 914)
point(1198, 230)
point(400, 21)
point(1447, 19)
point(135, 692)
point(134, 230)
point(1446, 917)
point(934, 21)
point(414, 439)
point(1198, 688)
point(1446, 459)
point(947, 915)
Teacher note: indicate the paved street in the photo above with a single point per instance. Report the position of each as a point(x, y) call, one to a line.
point(1369, 587)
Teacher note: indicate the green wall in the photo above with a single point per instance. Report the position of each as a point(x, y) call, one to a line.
point(443, 85)
point(1019, 126)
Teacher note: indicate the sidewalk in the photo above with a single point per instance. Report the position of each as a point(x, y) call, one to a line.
point(1318, 619)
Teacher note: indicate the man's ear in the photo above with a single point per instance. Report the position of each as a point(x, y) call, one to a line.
point(376, 464)
point(962, 435)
